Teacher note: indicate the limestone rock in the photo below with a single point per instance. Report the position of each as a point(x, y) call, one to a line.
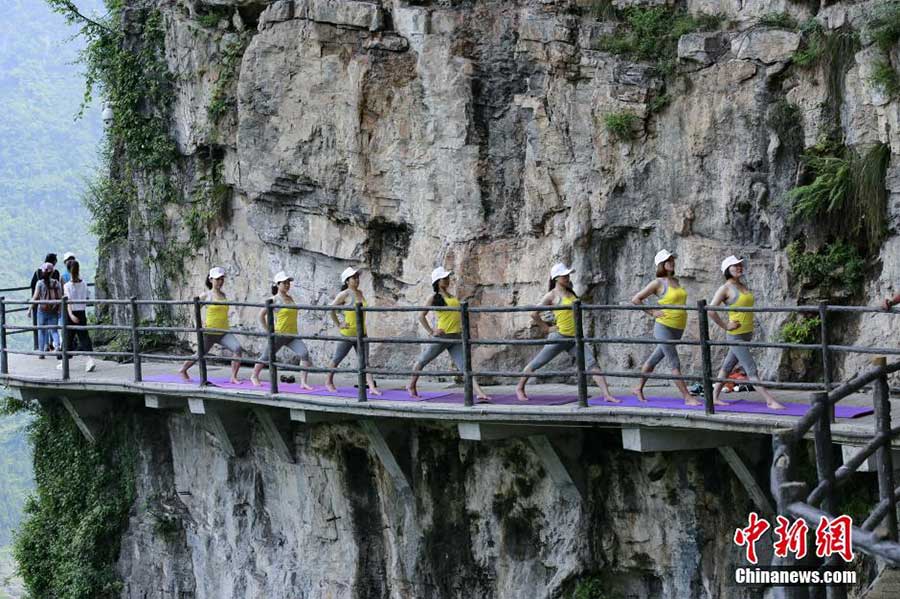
point(281, 10)
point(766, 45)
point(702, 48)
point(350, 13)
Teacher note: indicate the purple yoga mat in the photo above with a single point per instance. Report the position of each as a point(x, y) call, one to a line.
point(742, 406)
point(510, 400)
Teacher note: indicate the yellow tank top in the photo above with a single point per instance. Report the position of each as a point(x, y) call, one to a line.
point(674, 296)
point(744, 300)
point(450, 322)
point(216, 316)
point(565, 319)
point(286, 319)
point(349, 329)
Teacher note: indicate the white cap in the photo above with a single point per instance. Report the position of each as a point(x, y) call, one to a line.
point(560, 270)
point(216, 272)
point(662, 256)
point(281, 276)
point(439, 273)
point(68, 255)
point(348, 272)
point(729, 262)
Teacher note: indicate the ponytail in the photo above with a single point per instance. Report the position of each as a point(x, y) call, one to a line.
point(344, 286)
point(569, 289)
point(438, 298)
point(208, 283)
point(274, 289)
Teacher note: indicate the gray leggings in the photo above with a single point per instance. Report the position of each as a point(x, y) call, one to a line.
point(740, 354)
point(296, 345)
point(227, 340)
point(433, 350)
point(664, 350)
point(343, 348)
point(560, 343)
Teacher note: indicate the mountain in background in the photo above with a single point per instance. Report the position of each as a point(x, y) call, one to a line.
point(46, 158)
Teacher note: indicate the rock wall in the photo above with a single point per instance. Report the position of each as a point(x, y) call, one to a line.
point(401, 135)
point(484, 520)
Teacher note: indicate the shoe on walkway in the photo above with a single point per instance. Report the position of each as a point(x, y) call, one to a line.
point(90, 366)
point(59, 366)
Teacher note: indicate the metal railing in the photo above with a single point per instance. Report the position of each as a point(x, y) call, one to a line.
point(794, 498)
point(21, 309)
point(469, 343)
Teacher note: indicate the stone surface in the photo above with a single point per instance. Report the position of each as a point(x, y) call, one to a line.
point(766, 45)
point(703, 48)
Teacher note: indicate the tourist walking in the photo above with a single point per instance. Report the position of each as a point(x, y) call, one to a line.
point(47, 288)
point(351, 294)
point(76, 291)
point(217, 318)
point(448, 330)
point(285, 324)
point(561, 336)
point(738, 327)
point(669, 324)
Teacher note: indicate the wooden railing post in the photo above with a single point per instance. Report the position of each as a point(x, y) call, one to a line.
point(826, 364)
point(361, 362)
point(579, 354)
point(824, 451)
point(4, 358)
point(64, 337)
point(706, 356)
point(270, 338)
point(884, 454)
point(201, 343)
point(468, 387)
point(136, 341)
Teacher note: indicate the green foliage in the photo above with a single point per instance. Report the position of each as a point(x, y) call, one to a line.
point(213, 16)
point(622, 125)
point(786, 120)
point(885, 76)
point(222, 101)
point(602, 10)
point(651, 34)
point(802, 330)
point(659, 103)
point(847, 194)
point(884, 26)
point(592, 587)
point(69, 542)
point(784, 20)
point(837, 266)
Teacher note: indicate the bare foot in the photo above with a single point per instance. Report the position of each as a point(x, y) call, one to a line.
point(690, 400)
point(520, 395)
point(235, 380)
point(721, 402)
point(255, 380)
point(774, 405)
point(306, 386)
point(330, 386)
point(639, 393)
point(483, 398)
point(183, 374)
point(374, 391)
point(612, 399)
point(413, 392)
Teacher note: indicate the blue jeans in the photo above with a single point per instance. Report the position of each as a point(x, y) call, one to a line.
point(44, 335)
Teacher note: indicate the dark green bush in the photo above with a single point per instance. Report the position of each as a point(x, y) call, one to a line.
point(801, 330)
point(836, 267)
point(622, 125)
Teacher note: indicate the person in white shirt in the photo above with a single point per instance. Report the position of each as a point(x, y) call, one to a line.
point(77, 292)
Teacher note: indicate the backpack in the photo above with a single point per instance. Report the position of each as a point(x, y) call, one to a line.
point(53, 293)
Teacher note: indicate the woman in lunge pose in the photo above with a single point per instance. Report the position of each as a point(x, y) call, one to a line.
point(286, 324)
point(217, 318)
point(738, 327)
point(449, 326)
point(350, 294)
point(670, 323)
point(561, 339)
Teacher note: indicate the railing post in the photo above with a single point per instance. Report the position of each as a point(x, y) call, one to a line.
point(579, 354)
point(468, 388)
point(705, 355)
point(361, 362)
point(270, 338)
point(826, 369)
point(64, 337)
point(884, 454)
point(4, 358)
point(135, 341)
point(34, 323)
point(824, 451)
point(201, 343)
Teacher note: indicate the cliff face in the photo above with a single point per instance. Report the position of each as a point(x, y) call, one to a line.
point(477, 135)
point(484, 520)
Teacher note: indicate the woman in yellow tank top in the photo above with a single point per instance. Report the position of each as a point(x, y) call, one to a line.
point(669, 325)
point(286, 324)
point(449, 327)
point(217, 318)
point(561, 340)
point(738, 327)
point(350, 294)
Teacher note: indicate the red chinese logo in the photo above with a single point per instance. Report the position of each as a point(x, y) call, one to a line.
point(749, 536)
point(835, 537)
point(790, 538)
